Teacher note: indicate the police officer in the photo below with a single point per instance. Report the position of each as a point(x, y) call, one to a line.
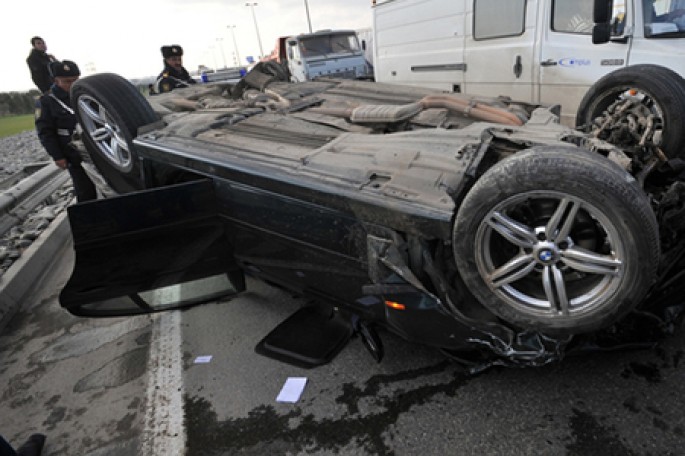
point(174, 75)
point(56, 122)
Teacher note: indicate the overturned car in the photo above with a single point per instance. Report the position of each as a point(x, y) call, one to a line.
point(476, 225)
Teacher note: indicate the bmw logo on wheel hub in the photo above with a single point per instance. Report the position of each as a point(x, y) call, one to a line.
point(545, 255)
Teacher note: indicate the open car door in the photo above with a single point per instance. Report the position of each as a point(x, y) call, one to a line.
point(148, 251)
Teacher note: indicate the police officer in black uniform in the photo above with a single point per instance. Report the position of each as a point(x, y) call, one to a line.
point(174, 74)
point(56, 122)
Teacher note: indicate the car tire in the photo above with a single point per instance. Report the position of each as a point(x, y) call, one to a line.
point(561, 278)
point(664, 92)
point(110, 110)
point(277, 70)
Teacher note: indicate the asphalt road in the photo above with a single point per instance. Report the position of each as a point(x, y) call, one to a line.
point(131, 386)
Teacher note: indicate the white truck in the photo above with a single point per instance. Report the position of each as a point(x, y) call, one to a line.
point(327, 53)
point(541, 51)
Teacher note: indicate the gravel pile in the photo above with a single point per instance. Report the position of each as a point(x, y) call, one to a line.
point(16, 152)
point(19, 150)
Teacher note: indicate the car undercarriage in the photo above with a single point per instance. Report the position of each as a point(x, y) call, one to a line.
point(477, 225)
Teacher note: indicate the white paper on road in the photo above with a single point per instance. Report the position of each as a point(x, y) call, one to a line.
point(203, 359)
point(292, 389)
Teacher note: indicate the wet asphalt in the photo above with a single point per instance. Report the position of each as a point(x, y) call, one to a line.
point(84, 383)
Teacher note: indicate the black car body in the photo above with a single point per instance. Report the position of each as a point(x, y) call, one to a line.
point(394, 206)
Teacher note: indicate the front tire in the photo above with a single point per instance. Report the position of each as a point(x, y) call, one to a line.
point(559, 240)
point(110, 110)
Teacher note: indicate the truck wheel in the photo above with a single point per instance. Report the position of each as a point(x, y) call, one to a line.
point(660, 89)
point(557, 240)
point(110, 110)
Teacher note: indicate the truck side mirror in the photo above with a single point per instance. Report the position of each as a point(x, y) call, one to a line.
point(602, 11)
point(601, 33)
point(601, 15)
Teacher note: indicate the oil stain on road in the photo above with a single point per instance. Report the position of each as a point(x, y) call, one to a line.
point(265, 431)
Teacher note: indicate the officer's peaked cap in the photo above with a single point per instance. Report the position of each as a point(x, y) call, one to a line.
point(65, 68)
point(171, 51)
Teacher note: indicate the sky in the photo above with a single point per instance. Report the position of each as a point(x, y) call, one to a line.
point(125, 36)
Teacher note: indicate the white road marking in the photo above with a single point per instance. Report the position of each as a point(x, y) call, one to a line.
point(164, 433)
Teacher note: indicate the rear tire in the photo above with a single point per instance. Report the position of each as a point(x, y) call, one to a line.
point(110, 110)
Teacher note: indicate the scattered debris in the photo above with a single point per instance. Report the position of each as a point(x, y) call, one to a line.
point(292, 389)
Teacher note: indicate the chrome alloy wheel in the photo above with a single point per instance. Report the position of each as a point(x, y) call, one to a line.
point(105, 133)
point(550, 255)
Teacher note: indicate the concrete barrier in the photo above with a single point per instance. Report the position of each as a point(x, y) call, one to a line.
point(25, 274)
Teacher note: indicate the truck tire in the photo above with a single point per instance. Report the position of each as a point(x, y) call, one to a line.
point(557, 240)
point(110, 110)
point(664, 94)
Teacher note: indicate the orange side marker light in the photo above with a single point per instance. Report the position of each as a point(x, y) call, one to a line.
point(394, 305)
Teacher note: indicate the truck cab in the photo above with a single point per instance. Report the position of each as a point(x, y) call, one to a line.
point(538, 51)
point(327, 53)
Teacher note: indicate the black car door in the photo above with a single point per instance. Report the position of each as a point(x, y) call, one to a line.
point(148, 251)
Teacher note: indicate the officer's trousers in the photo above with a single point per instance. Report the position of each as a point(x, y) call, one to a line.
point(84, 189)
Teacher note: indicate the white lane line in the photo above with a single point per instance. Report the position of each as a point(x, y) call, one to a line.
point(164, 432)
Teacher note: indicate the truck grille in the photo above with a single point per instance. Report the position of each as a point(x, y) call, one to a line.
point(346, 74)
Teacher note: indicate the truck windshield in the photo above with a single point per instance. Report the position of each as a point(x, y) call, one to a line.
point(664, 18)
point(322, 45)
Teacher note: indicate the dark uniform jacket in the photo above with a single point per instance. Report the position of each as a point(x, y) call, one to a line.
point(38, 62)
point(170, 79)
point(55, 124)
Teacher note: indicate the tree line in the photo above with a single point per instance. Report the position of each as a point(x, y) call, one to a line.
point(18, 103)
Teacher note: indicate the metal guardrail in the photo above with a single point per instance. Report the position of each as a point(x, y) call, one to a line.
point(7, 182)
point(20, 196)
